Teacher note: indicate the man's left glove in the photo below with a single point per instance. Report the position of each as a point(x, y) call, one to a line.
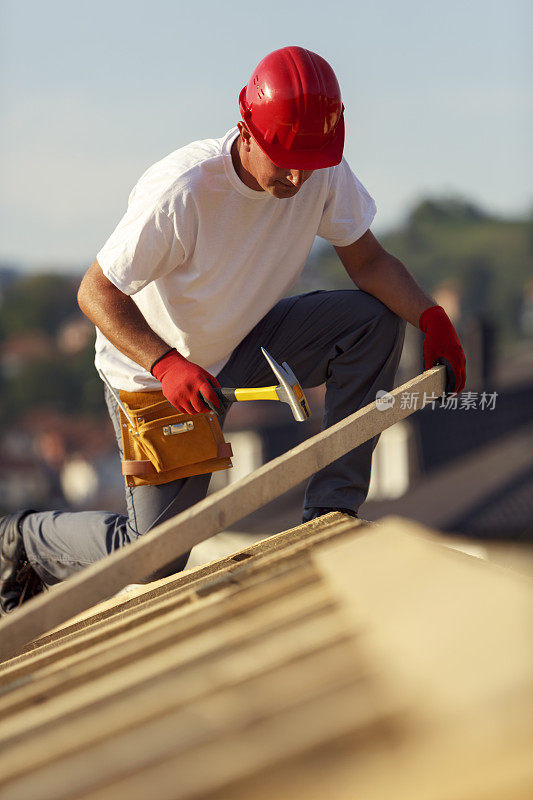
point(442, 346)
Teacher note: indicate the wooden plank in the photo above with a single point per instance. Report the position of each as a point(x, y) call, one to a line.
point(228, 667)
point(456, 628)
point(199, 651)
point(283, 546)
point(242, 751)
point(213, 610)
point(291, 564)
point(281, 556)
point(402, 766)
point(177, 536)
point(280, 695)
point(97, 658)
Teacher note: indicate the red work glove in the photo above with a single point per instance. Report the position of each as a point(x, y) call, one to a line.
point(182, 382)
point(442, 345)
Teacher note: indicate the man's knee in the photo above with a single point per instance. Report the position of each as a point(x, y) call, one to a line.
point(390, 324)
point(389, 327)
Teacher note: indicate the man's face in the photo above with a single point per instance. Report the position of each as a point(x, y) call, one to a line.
point(261, 174)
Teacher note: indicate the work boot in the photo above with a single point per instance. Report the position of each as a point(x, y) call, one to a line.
point(313, 512)
point(18, 579)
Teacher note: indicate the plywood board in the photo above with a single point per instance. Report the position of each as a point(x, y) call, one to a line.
point(455, 629)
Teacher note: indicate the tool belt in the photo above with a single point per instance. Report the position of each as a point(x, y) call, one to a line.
point(164, 445)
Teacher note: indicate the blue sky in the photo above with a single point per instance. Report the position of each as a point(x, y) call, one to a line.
point(438, 101)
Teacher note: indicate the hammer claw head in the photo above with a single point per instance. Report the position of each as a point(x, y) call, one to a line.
point(289, 390)
point(274, 366)
point(289, 373)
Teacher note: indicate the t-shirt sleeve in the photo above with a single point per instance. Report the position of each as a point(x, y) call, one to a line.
point(145, 245)
point(349, 209)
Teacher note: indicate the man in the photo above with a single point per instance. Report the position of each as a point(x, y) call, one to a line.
point(193, 280)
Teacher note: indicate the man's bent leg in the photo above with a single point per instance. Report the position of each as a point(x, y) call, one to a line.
point(60, 543)
point(348, 339)
point(362, 365)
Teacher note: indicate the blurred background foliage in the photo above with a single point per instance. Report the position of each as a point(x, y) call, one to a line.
point(40, 368)
point(488, 259)
point(40, 302)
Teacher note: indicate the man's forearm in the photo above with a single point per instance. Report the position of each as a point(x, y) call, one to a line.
point(124, 326)
point(119, 319)
point(387, 279)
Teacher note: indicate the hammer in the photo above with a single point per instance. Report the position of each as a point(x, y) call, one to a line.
point(288, 391)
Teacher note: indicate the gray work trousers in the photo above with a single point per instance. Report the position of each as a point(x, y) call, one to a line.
point(347, 339)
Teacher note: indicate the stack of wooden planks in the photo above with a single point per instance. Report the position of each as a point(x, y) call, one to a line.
point(188, 684)
point(338, 659)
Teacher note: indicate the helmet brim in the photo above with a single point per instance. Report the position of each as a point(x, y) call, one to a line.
point(328, 156)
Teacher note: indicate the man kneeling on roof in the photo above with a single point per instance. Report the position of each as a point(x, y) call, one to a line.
point(193, 282)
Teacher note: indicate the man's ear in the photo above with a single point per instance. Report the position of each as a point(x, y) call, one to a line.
point(245, 135)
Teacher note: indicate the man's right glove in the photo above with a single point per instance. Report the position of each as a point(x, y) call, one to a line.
point(442, 346)
point(185, 384)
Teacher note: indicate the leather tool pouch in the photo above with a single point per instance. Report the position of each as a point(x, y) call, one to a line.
point(165, 445)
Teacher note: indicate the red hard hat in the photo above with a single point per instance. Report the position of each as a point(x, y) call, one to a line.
point(292, 107)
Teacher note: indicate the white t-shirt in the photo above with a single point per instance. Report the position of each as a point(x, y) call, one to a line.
point(205, 257)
